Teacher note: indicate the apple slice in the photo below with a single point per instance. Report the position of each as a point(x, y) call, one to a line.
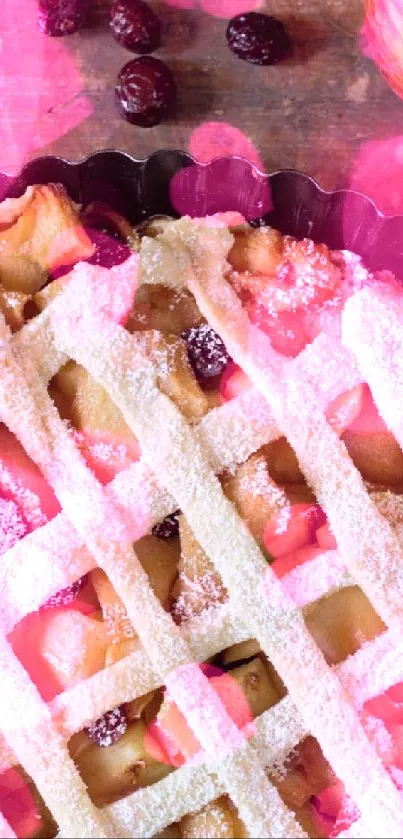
point(367, 419)
point(199, 585)
point(342, 622)
point(333, 811)
point(256, 251)
point(21, 481)
point(345, 409)
point(114, 771)
point(105, 440)
point(167, 310)
point(325, 538)
point(160, 561)
point(59, 648)
point(285, 329)
point(306, 818)
point(283, 564)
point(246, 692)
point(175, 375)
point(45, 232)
point(219, 818)
point(12, 306)
point(254, 493)
point(283, 462)
point(22, 806)
point(120, 649)
point(233, 381)
point(117, 624)
point(292, 528)
point(305, 773)
point(69, 246)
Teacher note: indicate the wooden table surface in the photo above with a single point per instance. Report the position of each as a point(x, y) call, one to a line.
point(316, 112)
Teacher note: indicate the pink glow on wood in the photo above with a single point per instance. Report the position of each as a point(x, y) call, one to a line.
point(41, 86)
point(381, 39)
point(228, 8)
point(216, 139)
point(218, 8)
point(378, 172)
point(182, 4)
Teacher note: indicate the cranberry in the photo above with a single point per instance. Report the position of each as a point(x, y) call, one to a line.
point(61, 17)
point(258, 38)
point(135, 26)
point(110, 251)
point(145, 91)
point(66, 595)
point(108, 729)
point(168, 527)
point(206, 351)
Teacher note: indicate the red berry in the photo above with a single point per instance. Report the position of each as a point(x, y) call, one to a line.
point(108, 729)
point(135, 26)
point(110, 251)
point(61, 17)
point(168, 527)
point(206, 351)
point(66, 595)
point(145, 91)
point(258, 38)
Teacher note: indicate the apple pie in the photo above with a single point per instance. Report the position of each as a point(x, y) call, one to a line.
point(201, 504)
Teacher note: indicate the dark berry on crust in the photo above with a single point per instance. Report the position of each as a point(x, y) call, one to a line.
point(206, 351)
point(66, 595)
point(108, 729)
point(168, 527)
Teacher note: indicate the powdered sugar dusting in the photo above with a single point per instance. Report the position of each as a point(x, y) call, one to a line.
point(191, 491)
point(104, 349)
point(316, 577)
point(372, 329)
point(104, 346)
point(260, 485)
point(56, 453)
point(12, 527)
point(373, 669)
point(28, 501)
point(26, 722)
point(261, 365)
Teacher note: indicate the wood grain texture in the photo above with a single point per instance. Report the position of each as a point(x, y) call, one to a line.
point(312, 112)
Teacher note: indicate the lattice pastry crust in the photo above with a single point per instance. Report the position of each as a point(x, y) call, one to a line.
point(178, 469)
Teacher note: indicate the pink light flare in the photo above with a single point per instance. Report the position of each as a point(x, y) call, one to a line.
point(223, 185)
point(217, 139)
point(381, 39)
point(378, 173)
point(40, 83)
point(217, 8)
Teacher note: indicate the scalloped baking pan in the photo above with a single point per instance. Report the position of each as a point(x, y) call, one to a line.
point(172, 182)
